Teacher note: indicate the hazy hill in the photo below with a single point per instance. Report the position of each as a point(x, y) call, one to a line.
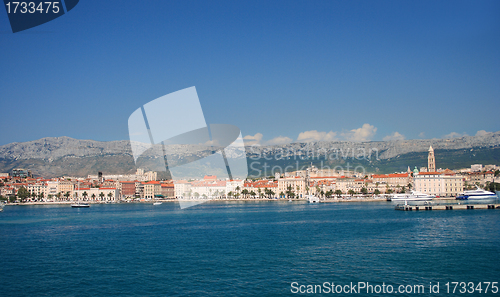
point(59, 156)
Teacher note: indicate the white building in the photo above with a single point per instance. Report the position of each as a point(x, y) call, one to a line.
point(439, 184)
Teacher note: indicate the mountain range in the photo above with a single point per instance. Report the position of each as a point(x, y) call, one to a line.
point(65, 156)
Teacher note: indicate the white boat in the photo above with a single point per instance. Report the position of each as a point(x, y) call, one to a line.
point(396, 196)
point(477, 194)
point(313, 199)
point(157, 203)
point(80, 205)
point(414, 196)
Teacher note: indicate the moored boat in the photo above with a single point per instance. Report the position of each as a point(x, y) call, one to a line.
point(477, 194)
point(80, 205)
point(414, 196)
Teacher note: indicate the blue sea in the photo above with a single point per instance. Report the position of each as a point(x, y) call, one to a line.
point(258, 248)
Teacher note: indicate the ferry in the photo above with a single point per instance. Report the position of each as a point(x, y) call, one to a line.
point(477, 194)
point(414, 196)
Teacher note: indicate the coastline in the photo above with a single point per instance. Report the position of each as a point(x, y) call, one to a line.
point(334, 200)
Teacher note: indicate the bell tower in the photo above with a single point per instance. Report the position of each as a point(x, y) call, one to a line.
point(431, 161)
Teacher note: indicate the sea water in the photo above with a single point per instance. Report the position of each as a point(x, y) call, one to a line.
point(257, 248)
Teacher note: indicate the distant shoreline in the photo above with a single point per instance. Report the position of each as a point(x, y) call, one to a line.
point(199, 200)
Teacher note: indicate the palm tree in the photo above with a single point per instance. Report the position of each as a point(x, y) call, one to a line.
point(85, 194)
point(93, 197)
point(67, 194)
point(350, 192)
point(101, 195)
point(110, 195)
point(271, 193)
point(245, 193)
point(282, 194)
point(338, 192)
point(253, 194)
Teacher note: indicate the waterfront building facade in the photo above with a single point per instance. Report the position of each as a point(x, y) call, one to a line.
point(439, 184)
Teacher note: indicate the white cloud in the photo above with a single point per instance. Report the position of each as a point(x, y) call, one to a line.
point(455, 135)
point(394, 136)
point(251, 140)
point(421, 135)
point(314, 135)
point(365, 133)
point(257, 140)
point(279, 140)
point(482, 133)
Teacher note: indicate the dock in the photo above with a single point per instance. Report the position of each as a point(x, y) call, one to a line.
point(446, 207)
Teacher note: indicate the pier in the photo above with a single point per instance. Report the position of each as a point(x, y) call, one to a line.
point(446, 207)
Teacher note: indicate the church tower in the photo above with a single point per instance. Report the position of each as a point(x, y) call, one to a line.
point(431, 161)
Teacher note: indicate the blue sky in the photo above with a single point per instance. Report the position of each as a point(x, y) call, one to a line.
point(359, 70)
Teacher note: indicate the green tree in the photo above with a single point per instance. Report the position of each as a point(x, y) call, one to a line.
point(282, 194)
point(338, 192)
point(253, 194)
point(245, 193)
point(22, 193)
point(67, 194)
point(376, 192)
point(289, 192)
point(85, 194)
point(93, 196)
point(110, 195)
point(364, 191)
point(350, 192)
point(101, 195)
